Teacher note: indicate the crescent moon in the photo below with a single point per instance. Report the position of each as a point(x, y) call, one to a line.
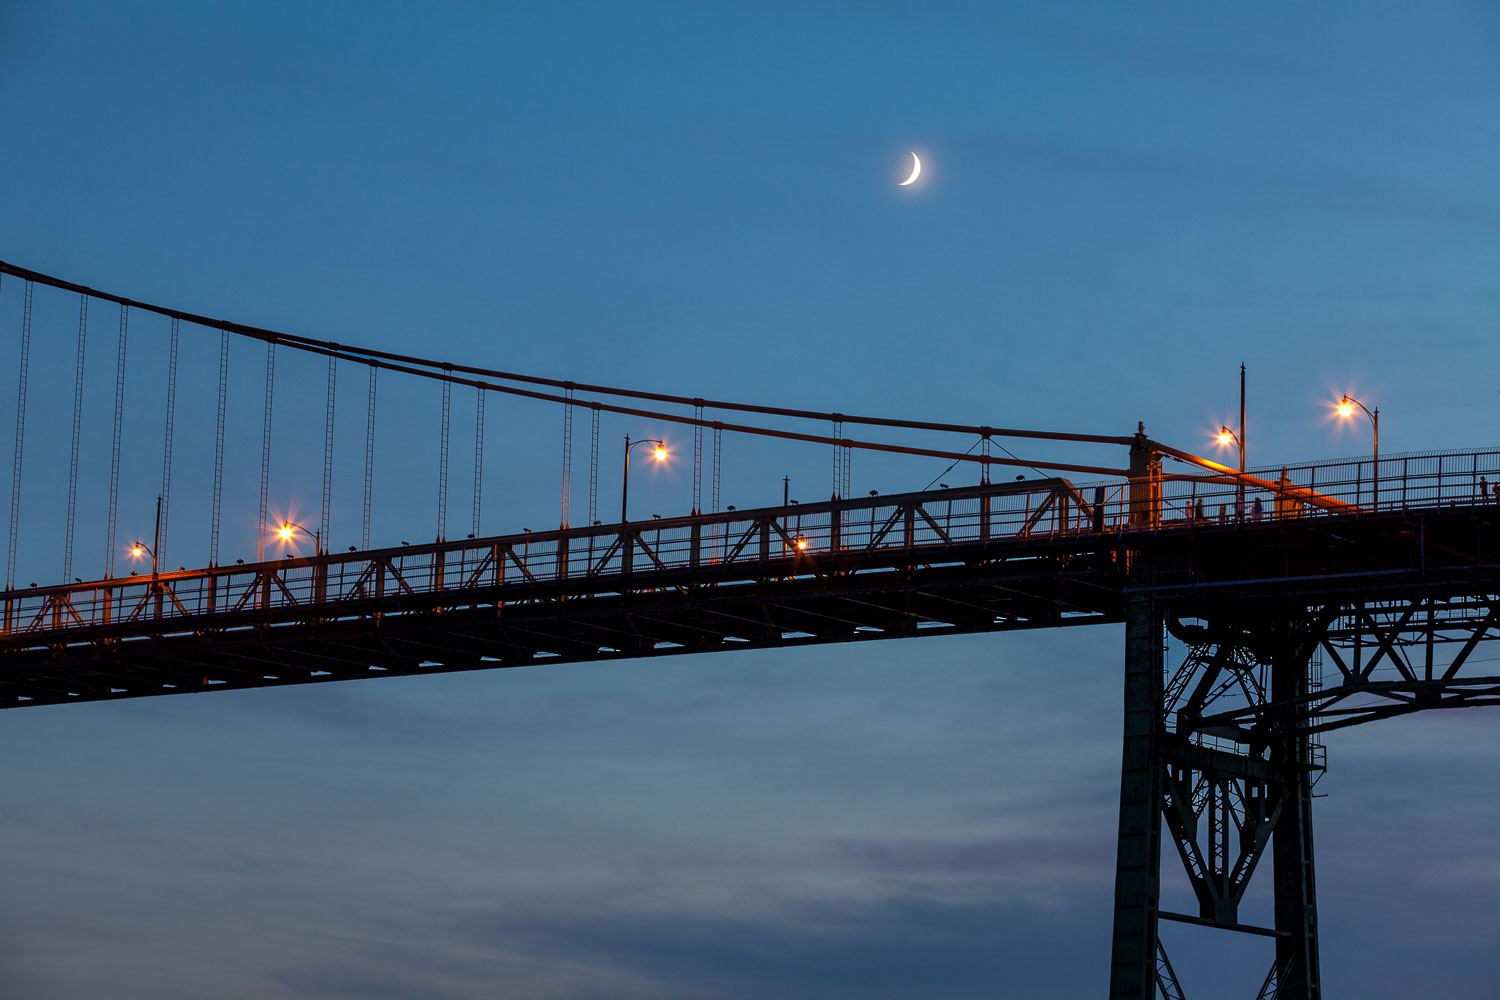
point(916, 171)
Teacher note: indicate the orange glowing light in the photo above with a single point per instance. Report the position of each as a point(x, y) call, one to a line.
point(1224, 437)
point(661, 453)
point(801, 543)
point(286, 531)
point(137, 551)
point(1346, 408)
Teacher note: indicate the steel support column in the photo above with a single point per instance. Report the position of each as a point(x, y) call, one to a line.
point(1138, 859)
point(1296, 906)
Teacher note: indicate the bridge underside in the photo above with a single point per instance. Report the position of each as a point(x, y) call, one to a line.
point(523, 624)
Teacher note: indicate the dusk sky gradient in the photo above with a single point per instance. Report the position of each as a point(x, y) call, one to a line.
point(1120, 204)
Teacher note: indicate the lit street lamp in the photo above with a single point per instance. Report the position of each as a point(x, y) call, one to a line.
point(660, 455)
point(1225, 436)
point(1346, 409)
point(288, 533)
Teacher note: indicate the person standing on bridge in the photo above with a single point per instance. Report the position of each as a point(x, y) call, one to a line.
point(1256, 510)
point(1484, 488)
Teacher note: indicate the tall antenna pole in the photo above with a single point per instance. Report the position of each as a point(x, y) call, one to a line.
point(1240, 485)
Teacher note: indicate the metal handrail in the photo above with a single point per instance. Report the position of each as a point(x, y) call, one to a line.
point(798, 539)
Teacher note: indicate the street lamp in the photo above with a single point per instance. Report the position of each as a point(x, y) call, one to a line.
point(1225, 436)
point(140, 548)
point(1346, 409)
point(288, 532)
point(660, 454)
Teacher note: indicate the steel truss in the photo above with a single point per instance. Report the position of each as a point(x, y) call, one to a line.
point(1224, 757)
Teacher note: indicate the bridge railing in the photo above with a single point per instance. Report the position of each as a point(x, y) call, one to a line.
point(796, 540)
point(1354, 486)
point(780, 541)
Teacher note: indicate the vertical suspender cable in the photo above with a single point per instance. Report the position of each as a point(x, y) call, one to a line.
point(114, 457)
point(478, 456)
point(567, 453)
point(323, 523)
point(838, 456)
point(15, 472)
point(718, 441)
point(265, 454)
point(213, 536)
point(697, 458)
point(848, 460)
point(83, 325)
point(594, 464)
point(364, 532)
point(442, 524)
point(166, 449)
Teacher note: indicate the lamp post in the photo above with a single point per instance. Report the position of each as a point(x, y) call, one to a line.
point(288, 531)
point(1346, 409)
point(660, 455)
point(1226, 435)
point(139, 547)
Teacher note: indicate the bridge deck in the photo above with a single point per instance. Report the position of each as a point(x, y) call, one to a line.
point(1027, 554)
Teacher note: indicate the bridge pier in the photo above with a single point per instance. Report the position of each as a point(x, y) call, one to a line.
point(1227, 794)
point(1296, 903)
point(1138, 853)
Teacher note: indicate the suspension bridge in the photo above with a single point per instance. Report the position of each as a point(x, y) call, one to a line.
point(1307, 598)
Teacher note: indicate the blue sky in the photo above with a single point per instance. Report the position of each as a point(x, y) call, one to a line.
point(1119, 206)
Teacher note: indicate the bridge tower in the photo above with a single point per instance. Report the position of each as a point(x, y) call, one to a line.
point(1227, 793)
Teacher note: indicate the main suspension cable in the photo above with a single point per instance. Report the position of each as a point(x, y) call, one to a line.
point(441, 369)
point(677, 418)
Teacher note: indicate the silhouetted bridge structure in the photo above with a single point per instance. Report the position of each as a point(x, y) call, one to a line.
point(1306, 599)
